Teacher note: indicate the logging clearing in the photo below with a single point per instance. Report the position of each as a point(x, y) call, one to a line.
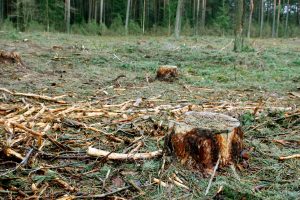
point(85, 117)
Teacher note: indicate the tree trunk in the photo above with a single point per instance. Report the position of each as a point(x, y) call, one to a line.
point(1, 11)
point(299, 13)
point(101, 11)
point(268, 12)
point(178, 19)
point(250, 18)
point(18, 14)
point(90, 10)
point(144, 15)
point(197, 17)
point(96, 10)
point(169, 19)
point(47, 15)
point(278, 18)
point(274, 18)
point(261, 19)
point(287, 19)
point(204, 138)
point(68, 13)
point(203, 14)
point(238, 31)
point(127, 16)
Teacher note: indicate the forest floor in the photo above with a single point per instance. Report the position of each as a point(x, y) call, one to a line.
point(109, 88)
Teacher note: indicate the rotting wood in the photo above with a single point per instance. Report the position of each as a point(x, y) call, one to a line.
point(202, 137)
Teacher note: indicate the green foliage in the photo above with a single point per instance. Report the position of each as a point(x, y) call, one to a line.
point(222, 21)
point(7, 25)
point(247, 119)
point(134, 28)
point(91, 28)
point(187, 29)
point(117, 26)
point(35, 26)
point(103, 29)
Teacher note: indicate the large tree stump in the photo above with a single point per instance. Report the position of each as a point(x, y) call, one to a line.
point(202, 138)
point(167, 73)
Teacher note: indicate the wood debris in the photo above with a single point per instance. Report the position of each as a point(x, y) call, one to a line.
point(40, 133)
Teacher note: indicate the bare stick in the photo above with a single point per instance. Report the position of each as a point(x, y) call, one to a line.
point(122, 156)
point(161, 183)
point(24, 128)
point(212, 177)
point(289, 157)
point(35, 96)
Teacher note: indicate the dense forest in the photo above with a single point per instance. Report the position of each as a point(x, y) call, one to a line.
point(264, 18)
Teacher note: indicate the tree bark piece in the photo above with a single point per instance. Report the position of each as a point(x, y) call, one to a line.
point(167, 73)
point(203, 137)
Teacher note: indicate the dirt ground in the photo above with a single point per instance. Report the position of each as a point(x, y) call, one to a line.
point(260, 87)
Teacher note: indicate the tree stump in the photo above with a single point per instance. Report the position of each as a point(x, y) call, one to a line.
point(10, 58)
point(167, 73)
point(202, 138)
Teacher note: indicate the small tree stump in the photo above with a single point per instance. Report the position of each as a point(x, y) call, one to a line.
point(167, 73)
point(10, 58)
point(204, 137)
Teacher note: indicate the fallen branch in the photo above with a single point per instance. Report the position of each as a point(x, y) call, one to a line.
point(35, 96)
point(289, 157)
point(121, 156)
point(24, 128)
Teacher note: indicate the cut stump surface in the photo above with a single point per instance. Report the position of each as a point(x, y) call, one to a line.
point(203, 137)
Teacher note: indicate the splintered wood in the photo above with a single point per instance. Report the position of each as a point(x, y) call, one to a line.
point(201, 138)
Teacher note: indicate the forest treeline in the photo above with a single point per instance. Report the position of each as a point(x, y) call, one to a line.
point(261, 18)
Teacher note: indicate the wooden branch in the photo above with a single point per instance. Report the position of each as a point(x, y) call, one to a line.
point(121, 156)
point(35, 96)
point(161, 183)
point(289, 157)
point(24, 128)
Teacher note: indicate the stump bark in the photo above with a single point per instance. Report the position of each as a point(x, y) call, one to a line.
point(167, 73)
point(202, 138)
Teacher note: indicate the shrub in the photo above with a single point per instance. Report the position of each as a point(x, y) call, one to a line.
point(35, 26)
point(186, 28)
point(117, 26)
point(134, 28)
point(7, 25)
